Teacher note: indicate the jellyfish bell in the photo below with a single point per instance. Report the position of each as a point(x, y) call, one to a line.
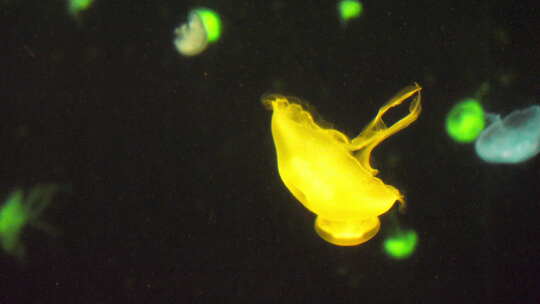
point(512, 139)
point(202, 28)
point(191, 38)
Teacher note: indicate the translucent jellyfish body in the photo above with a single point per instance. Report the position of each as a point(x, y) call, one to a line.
point(203, 27)
point(331, 174)
point(514, 139)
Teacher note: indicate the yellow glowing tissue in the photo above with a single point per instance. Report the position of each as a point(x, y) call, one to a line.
point(331, 174)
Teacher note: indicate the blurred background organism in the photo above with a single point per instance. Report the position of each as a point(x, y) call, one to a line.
point(202, 28)
point(19, 211)
point(75, 7)
point(465, 121)
point(401, 244)
point(349, 10)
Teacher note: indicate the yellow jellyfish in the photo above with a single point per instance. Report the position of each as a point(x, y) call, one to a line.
point(331, 174)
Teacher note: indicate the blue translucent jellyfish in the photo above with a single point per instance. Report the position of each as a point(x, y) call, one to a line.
point(203, 27)
point(21, 210)
point(511, 140)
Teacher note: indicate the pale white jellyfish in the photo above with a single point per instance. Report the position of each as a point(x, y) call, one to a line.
point(511, 140)
point(203, 27)
point(191, 36)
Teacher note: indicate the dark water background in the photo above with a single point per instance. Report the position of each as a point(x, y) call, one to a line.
point(175, 196)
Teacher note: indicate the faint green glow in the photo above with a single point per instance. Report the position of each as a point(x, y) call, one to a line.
point(20, 210)
point(465, 121)
point(13, 217)
point(211, 22)
point(401, 245)
point(349, 9)
point(77, 6)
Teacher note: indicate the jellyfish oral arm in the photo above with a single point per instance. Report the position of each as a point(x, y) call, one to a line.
point(376, 131)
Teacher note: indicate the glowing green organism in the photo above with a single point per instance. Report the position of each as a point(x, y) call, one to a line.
point(465, 121)
point(77, 6)
point(401, 245)
point(349, 9)
point(331, 174)
point(211, 23)
point(20, 210)
point(203, 27)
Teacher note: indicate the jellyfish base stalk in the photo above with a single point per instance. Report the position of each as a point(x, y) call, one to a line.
point(348, 232)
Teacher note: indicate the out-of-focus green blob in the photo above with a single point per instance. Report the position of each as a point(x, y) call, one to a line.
point(20, 210)
point(77, 6)
point(349, 9)
point(465, 121)
point(13, 217)
point(211, 22)
point(401, 245)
